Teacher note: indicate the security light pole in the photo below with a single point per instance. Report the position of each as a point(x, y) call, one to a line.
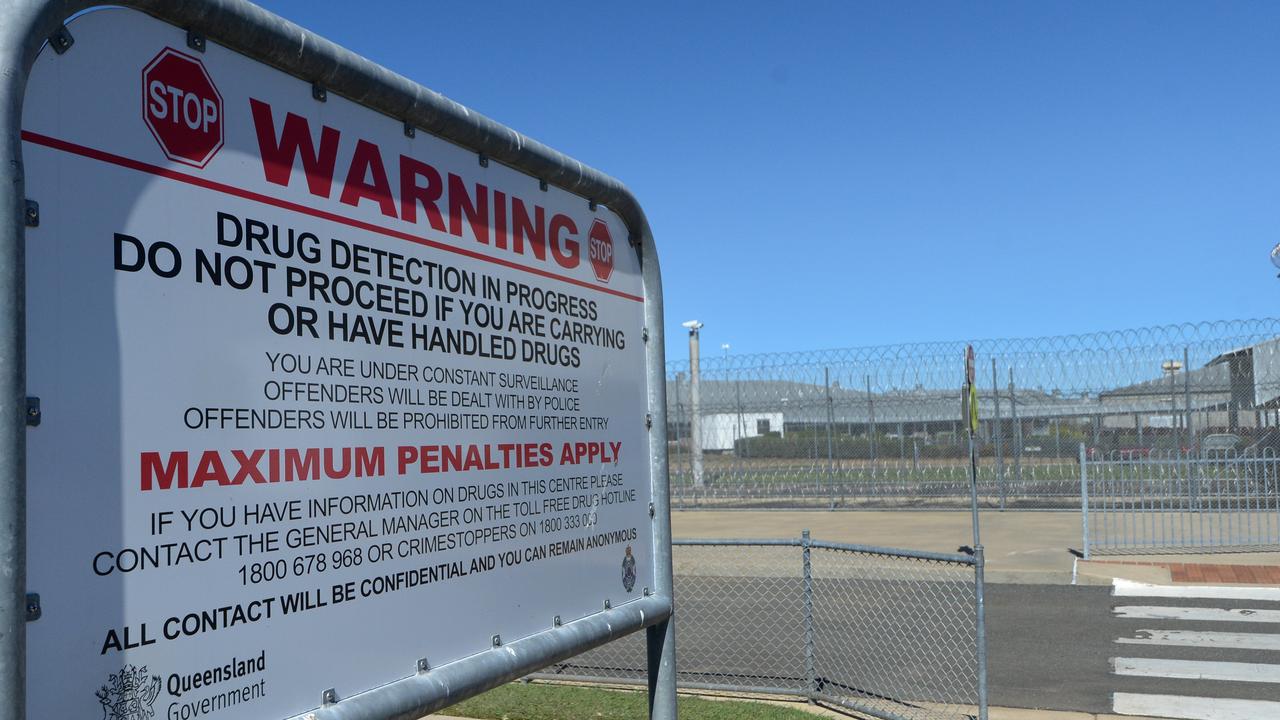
point(695, 411)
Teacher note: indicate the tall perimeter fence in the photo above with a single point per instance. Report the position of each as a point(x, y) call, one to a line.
point(881, 426)
point(893, 634)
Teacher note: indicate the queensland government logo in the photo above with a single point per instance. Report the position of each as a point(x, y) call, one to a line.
point(129, 694)
point(629, 570)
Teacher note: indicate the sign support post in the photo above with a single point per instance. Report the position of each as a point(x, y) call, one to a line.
point(970, 410)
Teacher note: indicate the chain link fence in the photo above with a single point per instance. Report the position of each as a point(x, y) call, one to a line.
point(887, 633)
point(881, 426)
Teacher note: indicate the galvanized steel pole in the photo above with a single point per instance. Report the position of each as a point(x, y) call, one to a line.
point(1192, 476)
point(973, 490)
point(995, 389)
point(17, 23)
point(831, 464)
point(1186, 399)
point(810, 666)
point(871, 418)
point(1084, 499)
point(1017, 431)
point(695, 408)
point(980, 629)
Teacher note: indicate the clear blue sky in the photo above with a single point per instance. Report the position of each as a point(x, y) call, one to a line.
point(847, 173)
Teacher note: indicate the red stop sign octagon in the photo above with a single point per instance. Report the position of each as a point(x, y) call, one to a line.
point(182, 108)
point(600, 250)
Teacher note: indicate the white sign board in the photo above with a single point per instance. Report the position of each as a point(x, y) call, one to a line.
point(319, 398)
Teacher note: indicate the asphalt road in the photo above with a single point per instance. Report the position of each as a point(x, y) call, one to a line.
point(1050, 646)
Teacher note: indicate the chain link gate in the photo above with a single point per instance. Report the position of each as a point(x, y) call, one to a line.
point(888, 633)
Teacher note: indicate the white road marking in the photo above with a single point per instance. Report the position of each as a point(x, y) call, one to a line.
point(1152, 612)
point(1197, 669)
point(1192, 638)
point(1129, 588)
point(1193, 708)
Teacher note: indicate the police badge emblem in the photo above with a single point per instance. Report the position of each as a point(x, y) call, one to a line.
point(129, 694)
point(629, 570)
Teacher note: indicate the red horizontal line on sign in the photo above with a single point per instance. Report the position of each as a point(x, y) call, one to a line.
point(103, 156)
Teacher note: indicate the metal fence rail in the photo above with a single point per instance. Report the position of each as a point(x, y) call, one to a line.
point(888, 633)
point(1156, 502)
point(881, 426)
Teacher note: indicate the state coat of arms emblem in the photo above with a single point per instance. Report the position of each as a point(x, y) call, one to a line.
point(129, 694)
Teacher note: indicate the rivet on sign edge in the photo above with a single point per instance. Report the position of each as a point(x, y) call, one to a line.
point(555, 621)
point(31, 214)
point(646, 592)
point(33, 411)
point(496, 640)
point(644, 334)
point(591, 205)
point(542, 185)
point(608, 605)
point(329, 697)
point(34, 611)
point(318, 92)
point(61, 40)
point(410, 130)
point(195, 41)
point(422, 665)
point(648, 422)
point(651, 510)
point(484, 160)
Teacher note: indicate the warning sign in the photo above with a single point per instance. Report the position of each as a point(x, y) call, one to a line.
point(319, 398)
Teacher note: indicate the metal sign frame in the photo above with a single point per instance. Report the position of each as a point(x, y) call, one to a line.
point(25, 28)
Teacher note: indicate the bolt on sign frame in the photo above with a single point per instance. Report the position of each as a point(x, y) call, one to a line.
point(29, 28)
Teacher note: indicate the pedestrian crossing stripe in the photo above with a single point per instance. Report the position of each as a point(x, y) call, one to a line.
point(1197, 669)
point(1129, 588)
point(1155, 612)
point(1204, 639)
point(1183, 707)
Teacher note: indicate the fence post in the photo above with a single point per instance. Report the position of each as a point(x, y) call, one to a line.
point(1017, 433)
point(679, 463)
point(979, 574)
point(999, 435)
point(660, 648)
point(1186, 398)
point(739, 433)
point(831, 463)
point(1084, 499)
point(810, 671)
point(1193, 478)
point(871, 426)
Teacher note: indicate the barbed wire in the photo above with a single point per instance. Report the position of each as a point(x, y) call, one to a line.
point(848, 419)
point(1070, 364)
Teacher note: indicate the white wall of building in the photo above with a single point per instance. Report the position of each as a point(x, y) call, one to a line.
point(720, 430)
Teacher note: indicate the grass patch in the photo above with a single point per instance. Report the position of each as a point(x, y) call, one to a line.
point(521, 701)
